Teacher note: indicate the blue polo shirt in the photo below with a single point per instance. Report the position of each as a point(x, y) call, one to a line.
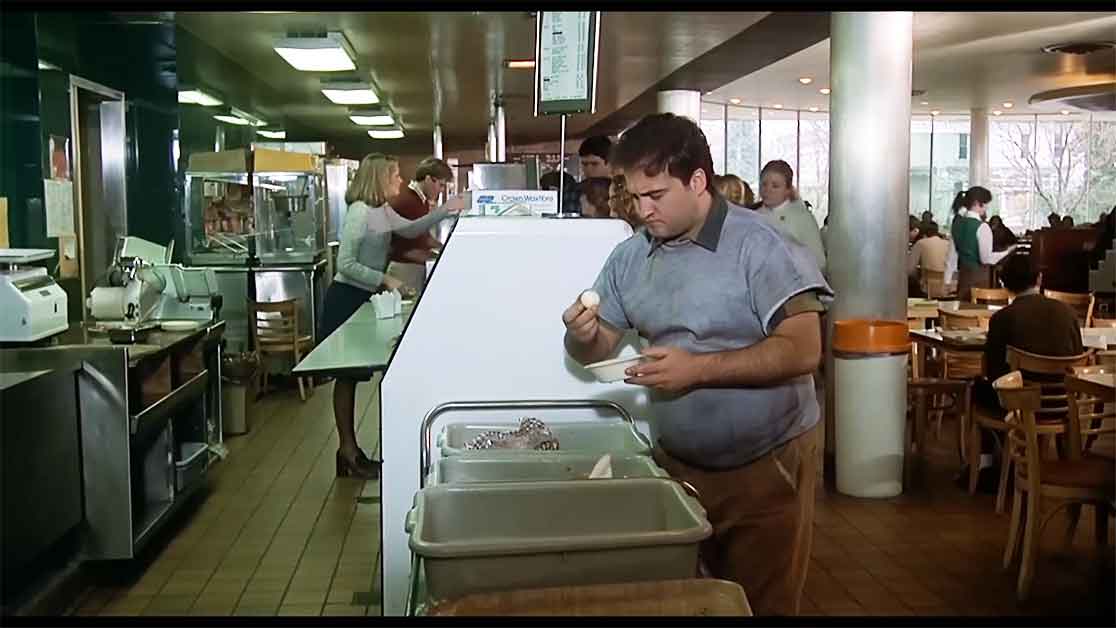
point(723, 290)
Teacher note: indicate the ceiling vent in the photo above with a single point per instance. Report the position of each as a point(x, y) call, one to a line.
point(1080, 47)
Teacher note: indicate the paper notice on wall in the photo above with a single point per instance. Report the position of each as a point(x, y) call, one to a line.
point(4, 223)
point(58, 197)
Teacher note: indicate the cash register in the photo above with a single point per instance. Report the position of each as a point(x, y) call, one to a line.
point(32, 305)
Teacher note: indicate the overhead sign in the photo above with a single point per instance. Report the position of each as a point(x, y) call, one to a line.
point(566, 61)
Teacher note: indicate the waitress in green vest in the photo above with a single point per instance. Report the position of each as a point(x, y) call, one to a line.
point(971, 253)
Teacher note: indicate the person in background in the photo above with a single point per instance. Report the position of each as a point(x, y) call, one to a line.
point(1106, 233)
point(780, 203)
point(593, 154)
point(362, 259)
point(971, 255)
point(1053, 220)
point(1033, 323)
point(1067, 222)
point(927, 217)
point(929, 252)
point(409, 255)
point(734, 189)
point(730, 307)
point(549, 181)
point(1002, 237)
point(593, 197)
point(623, 204)
point(914, 230)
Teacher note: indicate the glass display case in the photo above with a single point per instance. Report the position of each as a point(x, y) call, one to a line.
point(263, 203)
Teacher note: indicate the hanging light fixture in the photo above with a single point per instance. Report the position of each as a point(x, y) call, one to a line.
point(350, 92)
point(330, 52)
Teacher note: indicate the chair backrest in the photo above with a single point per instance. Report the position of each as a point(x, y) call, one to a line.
point(1022, 401)
point(1054, 405)
point(274, 325)
point(933, 283)
point(991, 296)
point(1082, 304)
point(1106, 358)
point(962, 364)
point(957, 320)
point(1091, 419)
point(1104, 322)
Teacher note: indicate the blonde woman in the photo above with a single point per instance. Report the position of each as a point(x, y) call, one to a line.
point(361, 261)
point(734, 189)
point(621, 203)
point(781, 204)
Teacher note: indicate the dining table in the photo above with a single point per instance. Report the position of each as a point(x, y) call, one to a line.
point(962, 341)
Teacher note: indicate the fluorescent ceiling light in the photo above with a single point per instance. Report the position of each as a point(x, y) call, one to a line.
point(197, 97)
point(778, 106)
point(386, 134)
point(825, 90)
point(997, 112)
point(805, 80)
point(231, 119)
point(924, 103)
point(813, 108)
point(735, 101)
point(372, 119)
point(521, 64)
point(1008, 105)
point(1065, 112)
point(935, 112)
point(275, 135)
point(330, 53)
point(46, 65)
point(244, 115)
point(349, 93)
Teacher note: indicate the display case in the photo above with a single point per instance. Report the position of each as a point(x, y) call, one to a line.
point(263, 203)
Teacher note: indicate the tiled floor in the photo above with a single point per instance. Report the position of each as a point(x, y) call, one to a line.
point(279, 534)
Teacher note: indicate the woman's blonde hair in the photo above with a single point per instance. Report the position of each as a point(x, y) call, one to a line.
point(622, 203)
point(370, 184)
point(734, 189)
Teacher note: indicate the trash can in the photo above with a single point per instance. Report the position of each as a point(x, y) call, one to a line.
point(870, 376)
point(238, 394)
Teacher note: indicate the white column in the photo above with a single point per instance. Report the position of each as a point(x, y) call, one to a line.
point(438, 141)
point(490, 147)
point(501, 133)
point(978, 148)
point(869, 124)
point(682, 102)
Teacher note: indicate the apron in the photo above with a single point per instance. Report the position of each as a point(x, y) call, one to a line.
point(969, 277)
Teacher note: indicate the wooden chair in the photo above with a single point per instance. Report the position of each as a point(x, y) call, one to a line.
point(991, 296)
point(933, 283)
point(1088, 419)
point(1051, 415)
point(1076, 481)
point(1081, 303)
point(959, 320)
point(275, 330)
point(1103, 322)
point(938, 396)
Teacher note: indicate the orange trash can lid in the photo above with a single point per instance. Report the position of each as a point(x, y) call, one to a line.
point(871, 336)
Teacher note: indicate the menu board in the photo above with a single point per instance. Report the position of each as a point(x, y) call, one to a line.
point(566, 62)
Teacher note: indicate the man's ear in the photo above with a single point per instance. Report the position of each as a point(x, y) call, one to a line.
point(699, 181)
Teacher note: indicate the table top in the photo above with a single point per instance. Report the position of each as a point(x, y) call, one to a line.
point(928, 308)
point(1091, 338)
point(1104, 380)
point(358, 348)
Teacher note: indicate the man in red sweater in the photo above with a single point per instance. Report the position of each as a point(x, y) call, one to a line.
point(410, 255)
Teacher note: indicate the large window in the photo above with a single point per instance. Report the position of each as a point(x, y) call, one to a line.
point(779, 137)
point(949, 173)
point(813, 166)
point(920, 165)
point(713, 125)
point(743, 145)
point(1037, 164)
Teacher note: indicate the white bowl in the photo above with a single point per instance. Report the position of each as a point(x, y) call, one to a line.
point(610, 371)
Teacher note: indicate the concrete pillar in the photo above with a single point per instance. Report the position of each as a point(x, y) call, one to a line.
point(869, 185)
point(978, 148)
point(438, 141)
point(501, 133)
point(490, 147)
point(682, 102)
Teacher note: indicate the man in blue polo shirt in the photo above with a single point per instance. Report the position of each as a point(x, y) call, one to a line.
point(730, 308)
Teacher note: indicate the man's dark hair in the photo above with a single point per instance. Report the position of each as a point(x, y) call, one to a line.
point(664, 141)
point(549, 181)
point(598, 145)
point(1017, 273)
point(929, 229)
point(433, 167)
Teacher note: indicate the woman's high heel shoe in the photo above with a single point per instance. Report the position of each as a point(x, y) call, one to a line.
point(357, 468)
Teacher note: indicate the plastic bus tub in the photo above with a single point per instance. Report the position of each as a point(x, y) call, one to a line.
point(480, 538)
point(667, 598)
point(544, 466)
point(581, 437)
